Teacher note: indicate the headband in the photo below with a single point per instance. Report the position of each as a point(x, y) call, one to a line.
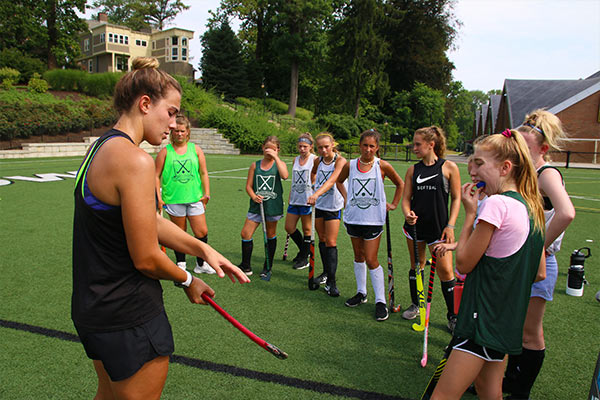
point(536, 128)
point(305, 140)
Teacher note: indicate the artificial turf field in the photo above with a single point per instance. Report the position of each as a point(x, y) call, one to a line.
point(334, 351)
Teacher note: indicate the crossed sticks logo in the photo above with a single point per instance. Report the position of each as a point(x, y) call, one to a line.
point(182, 169)
point(363, 193)
point(266, 187)
point(300, 181)
point(322, 178)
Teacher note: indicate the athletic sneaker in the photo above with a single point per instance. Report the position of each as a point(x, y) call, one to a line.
point(263, 273)
point(411, 312)
point(452, 324)
point(381, 312)
point(332, 291)
point(182, 265)
point(247, 270)
point(301, 264)
point(321, 279)
point(205, 268)
point(356, 300)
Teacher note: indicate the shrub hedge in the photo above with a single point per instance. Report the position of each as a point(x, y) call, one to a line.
point(97, 85)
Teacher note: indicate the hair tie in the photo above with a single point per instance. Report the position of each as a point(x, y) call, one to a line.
point(507, 133)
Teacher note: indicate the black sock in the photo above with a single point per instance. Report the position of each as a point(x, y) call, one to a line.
point(297, 238)
point(529, 368)
point(511, 373)
point(271, 247)
point(412, 284)
point(180, 257)
point(448, 291)
point(332, 261)
point(247, 246)
point(204, 239)
point(305, 249)
point(323, 253)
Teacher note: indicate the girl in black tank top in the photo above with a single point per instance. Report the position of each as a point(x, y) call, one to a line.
point(428, 185)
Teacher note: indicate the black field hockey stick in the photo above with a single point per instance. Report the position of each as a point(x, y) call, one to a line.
point(285, 248)
point(419, 327)
point(392, 307)
point(262, 343)
point(429, 295)
point(312, 285)
point(267, 276)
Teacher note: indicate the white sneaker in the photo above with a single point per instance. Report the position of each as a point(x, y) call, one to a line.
point(205, 268)
point(182, 265)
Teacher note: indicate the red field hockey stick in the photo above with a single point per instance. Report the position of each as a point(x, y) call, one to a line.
point(262, 343)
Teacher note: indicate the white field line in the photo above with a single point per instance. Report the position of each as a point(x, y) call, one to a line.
point(583, 198)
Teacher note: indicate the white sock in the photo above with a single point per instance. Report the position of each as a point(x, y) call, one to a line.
point(360, 272)
point(378, 284)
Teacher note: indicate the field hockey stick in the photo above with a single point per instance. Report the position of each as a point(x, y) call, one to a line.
point(285, 248)
point(437, 373)
point(261, 342)
point(429, 295)
point(392, 308)
point(312, 285)
point(419, 327)
point(267, 277)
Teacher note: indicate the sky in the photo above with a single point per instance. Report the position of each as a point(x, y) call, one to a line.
point(498, 39)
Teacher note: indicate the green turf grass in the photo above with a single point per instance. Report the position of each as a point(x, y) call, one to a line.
point(326, 342)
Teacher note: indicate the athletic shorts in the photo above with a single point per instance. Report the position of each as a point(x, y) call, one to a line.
point(299, 210)
point(328, 215)
point(256, 217)
point(124, 352)
point(545, 288)
point(430, 240)
point(185, 210)
point(469, 346)
point(366, 232)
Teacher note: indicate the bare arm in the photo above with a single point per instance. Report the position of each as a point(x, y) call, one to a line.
point(541, 273)
point(333, 178)
point(551, 184)
point(281, 166)
point(159, 166)
point(249, 189)
point(454, 180)
point(203, 175)
point(409, 215)
point(390, 172)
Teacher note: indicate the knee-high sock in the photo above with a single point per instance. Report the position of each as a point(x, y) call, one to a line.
point(332, 261)
point(247, 246)
point(271, 247)
point(180, 257)
point(412, 284)
point(448, 291)
point(323, 253)
point(360, 273)
point(511, 373)
point(378, 284)
point(305, 249)
point(529, 368)
point(204, 239)
point(297, 238)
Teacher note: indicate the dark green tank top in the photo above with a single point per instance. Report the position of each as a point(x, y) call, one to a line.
point(268, 185)
point(496, 295)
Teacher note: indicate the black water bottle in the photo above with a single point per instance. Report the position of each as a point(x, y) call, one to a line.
point(576, 276)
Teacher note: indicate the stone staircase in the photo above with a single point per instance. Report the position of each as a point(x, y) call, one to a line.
point(209, 140)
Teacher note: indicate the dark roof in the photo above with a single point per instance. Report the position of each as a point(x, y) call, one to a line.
point(484, 113)
point(495, 101)
point(525, 96)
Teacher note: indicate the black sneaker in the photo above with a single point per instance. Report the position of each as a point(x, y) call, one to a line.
point(321, 279)
point(332, 291)
point(263, 273)
point(247, 270)
point(301, 264)
point(356, 300)
point(381, 312)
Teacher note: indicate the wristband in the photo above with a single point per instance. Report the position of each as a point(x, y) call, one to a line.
point(187, 282)
point(450, 226)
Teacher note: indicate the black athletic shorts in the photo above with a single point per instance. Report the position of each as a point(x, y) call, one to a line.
point(124, 352)
point(485, 353)
point(366, 232)
point(328, 215)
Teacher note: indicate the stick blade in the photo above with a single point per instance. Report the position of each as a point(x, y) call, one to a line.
point(277, 352)
point(418, 327)
point(424, 361)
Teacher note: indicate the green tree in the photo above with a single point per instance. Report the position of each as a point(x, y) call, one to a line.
point(222, 64)
point(138, 14)
point(121, 12)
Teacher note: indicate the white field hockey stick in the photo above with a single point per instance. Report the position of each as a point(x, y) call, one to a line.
point(429, 295)
point(267, 277)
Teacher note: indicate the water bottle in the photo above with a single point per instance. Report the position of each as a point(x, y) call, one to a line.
point(576, 276)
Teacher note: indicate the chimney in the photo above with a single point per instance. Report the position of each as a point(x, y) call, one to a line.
point(102, 17)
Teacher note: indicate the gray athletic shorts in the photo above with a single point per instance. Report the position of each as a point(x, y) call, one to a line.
point(256, 217)
point(185, 210)
point(545, 288)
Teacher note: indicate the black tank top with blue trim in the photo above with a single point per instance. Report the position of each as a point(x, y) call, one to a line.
point(109, 293)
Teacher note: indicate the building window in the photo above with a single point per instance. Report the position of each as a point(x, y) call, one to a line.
point(121, 63)
point(120, 39)
point(174, 41)
point(102, 37)
point(183, 54)
point(138, 42)
point(174, 54)
point(184, 41)
point(144, 43)
point(110, 37)
point(126, 39)
point(154, 45)
point(90, 66)
point(86, 44)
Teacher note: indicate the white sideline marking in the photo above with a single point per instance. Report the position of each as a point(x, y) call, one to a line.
point(583, 198)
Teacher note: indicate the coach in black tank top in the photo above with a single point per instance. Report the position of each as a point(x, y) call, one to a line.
point(428, 185)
